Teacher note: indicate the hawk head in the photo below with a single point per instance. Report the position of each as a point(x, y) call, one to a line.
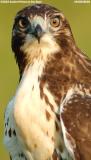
point(39, 31)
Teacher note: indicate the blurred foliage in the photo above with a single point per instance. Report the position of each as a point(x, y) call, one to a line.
point(80, 21)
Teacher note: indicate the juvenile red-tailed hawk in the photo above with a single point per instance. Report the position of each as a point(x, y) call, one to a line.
point(49, 117)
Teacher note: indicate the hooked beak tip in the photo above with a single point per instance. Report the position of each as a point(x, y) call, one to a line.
point(38, 32)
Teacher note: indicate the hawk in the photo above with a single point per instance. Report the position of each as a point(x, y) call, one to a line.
point(49, 117)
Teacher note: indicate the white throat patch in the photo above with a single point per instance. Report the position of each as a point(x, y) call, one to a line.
point(45, 48)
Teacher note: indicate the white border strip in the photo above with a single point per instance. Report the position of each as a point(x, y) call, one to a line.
point(82, 1)
point(19, 1)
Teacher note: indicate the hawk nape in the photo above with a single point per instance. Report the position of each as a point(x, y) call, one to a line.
point(49, 117)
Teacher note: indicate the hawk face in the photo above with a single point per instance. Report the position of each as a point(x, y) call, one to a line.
point(38, 31)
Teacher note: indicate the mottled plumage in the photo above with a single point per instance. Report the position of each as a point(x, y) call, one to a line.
point(49, 116)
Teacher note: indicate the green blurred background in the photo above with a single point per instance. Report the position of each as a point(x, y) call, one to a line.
point(79, 16)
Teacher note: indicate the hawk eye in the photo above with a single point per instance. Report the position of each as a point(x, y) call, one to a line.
point(23, 23)
point(55, 22)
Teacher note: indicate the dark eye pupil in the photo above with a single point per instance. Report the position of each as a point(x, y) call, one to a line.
point(54, 21)
point(23, 23)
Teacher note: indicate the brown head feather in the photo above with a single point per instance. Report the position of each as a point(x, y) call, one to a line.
point(64, 68)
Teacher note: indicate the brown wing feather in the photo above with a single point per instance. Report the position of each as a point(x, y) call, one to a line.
point(76, 117)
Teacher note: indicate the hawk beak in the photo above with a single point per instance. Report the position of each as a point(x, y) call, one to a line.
point(38, 32)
